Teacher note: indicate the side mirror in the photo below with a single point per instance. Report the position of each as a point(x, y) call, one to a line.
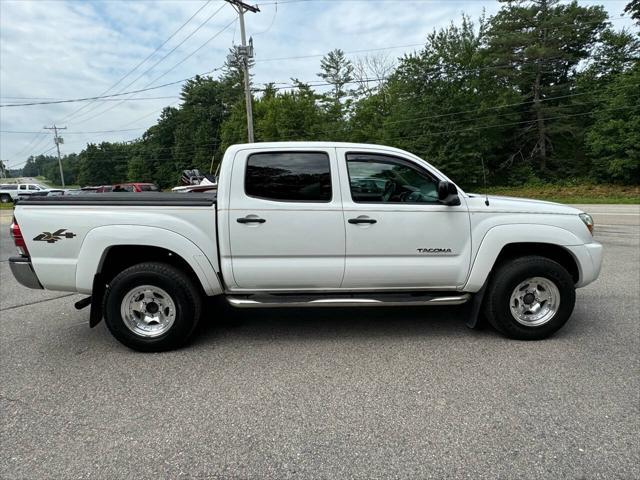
point(448, 193)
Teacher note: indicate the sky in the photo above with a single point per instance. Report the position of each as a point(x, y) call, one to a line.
point(66, 49)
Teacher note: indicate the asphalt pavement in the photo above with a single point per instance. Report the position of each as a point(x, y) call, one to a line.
point(345, 393)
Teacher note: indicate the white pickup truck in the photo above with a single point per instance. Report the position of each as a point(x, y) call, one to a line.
point(305, 224)
point(10, 192)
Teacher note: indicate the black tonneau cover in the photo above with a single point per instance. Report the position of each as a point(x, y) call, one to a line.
point(151, 199)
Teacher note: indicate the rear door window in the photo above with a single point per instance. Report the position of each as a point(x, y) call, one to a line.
point(289, 176)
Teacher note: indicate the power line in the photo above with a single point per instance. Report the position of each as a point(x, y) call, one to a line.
point(32, 143)
point(460, 112)
point(144, 60)
point(86, 119)
point(15, 165)
point(319, 55)
point(76, 133)
point(85, 99)
point(213, 37)
point(199, 146)
point(514, 123)
point(273, 20)
point(167, 55)
point(149, 114)
point(166, 97)
point(435, 116)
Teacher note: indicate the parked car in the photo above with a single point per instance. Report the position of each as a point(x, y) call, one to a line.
point(10, 192)
point(135, 187)
point(75, 191)
point(287, 228)
point(124, 187)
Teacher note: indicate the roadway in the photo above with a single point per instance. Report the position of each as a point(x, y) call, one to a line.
point(409, 393)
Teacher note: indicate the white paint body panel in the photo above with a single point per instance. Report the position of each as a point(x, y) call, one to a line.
point(386, 254)
point(70, 264)
point(309, 246)
point(300, 245)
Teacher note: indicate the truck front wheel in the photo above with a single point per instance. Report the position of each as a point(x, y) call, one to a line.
point(530, 298)
point(152, 307)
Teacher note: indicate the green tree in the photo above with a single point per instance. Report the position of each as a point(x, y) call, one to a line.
point(613, 142)
point(633, 8)
point(338, 72)
point(103, 164)
point(443, 105)
point(535, 47)
point(293, 115)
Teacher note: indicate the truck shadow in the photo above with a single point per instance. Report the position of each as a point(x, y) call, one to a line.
point(221, 321)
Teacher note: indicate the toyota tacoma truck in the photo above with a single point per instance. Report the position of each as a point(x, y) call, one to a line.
point(307, 224)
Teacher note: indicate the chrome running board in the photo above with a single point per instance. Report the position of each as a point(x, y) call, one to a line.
point(379, 300)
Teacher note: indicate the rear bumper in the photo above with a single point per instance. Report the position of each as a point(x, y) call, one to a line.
point(23, 272)
point(589, 259)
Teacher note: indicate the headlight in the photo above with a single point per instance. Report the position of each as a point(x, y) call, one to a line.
point(588, 221)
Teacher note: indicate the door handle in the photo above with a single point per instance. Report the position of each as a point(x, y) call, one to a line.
point(250, 220)
point(370, 221)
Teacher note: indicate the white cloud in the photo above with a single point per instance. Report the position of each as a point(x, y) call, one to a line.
point(69, 49)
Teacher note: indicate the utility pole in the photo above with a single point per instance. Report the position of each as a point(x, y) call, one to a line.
point(247, 52)
point(58, 140)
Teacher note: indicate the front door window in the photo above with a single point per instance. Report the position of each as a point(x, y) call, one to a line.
point(378, 178)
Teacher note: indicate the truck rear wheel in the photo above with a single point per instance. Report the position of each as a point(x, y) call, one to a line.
point(4, 198)
point(152, 307)
point(530, 298)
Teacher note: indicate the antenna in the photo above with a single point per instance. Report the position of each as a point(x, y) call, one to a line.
point(484, 179)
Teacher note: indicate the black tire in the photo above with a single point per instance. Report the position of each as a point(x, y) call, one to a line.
point(505, 280)
point(4, 198)
point(183, 293)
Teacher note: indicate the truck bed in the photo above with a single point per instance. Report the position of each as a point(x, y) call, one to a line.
point(152, 199)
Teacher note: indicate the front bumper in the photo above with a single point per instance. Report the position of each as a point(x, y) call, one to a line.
point(23, 272)
point(589, 260)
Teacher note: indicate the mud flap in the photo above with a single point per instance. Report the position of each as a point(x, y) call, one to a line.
point(97, 294)
point(475, 305)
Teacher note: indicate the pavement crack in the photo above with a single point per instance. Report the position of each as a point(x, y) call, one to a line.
point(36, 302)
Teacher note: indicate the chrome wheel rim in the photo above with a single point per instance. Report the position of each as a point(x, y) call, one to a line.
point(148, 311)
point(535, 301)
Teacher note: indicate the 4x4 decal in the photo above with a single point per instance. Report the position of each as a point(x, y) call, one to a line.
point(55, 236)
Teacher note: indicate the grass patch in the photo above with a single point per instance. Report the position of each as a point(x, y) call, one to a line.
point(571, 193)
point(6, 206)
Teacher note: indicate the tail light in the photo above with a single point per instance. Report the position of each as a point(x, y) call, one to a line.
point(18, 239)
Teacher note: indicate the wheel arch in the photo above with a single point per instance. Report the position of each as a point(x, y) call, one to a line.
point(105, 251)
point(117, 258)
point(505, 243)
point(552, 251)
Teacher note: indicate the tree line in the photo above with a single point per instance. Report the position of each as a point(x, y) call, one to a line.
point(542, 91)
